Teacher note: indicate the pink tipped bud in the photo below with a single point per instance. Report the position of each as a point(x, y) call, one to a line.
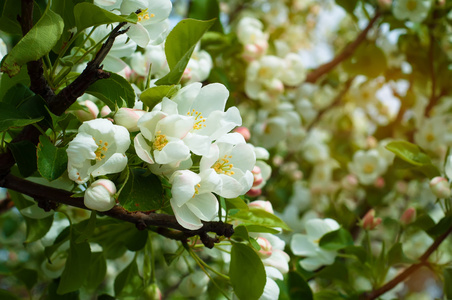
point(266, 248)
point(379, 182)
point(254, 192)
point(91, 114)
point(257, 175)
point(440, 187)
point(408, 216)
point(369, 221)
point(105, 111)
point(349, 182)
point(128, 118)
point(245, 132)
point(262, 204)
point(187, 75)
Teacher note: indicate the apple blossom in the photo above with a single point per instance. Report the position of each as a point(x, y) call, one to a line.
point(194, 285)
point(367, 166)
point(307, 245)
point(99, 195)
point(440, 187)
point(414, 10)
point(128, 117)
point(98, 149)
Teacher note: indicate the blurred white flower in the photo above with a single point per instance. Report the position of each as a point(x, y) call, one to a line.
point(367, 166)
point(98, 149)
point(194, 285)
point(413, 10)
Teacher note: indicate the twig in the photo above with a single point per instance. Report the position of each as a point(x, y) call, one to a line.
point(315, 74)
point(408, 271)
point(142, 220)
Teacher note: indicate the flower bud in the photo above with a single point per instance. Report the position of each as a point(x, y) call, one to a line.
point(369, 221)
point(254, 192)
point(152, 292)
point(245, 132)
point(187, 75)
point(105, 111)
point(99, 195)
point(349, 182)
point(128, 118)
point(379, 183)
point(91, 114)
point(266, 248)
point(408, 216)
point(257, 175)
point(440, 187)
point(262, 204)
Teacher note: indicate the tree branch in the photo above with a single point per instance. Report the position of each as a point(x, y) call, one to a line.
point(315, 74)
point(408, 271)
point(48, 197)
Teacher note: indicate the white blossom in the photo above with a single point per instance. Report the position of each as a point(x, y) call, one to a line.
point(99, 195)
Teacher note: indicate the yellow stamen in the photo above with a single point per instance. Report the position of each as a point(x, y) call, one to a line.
point(222, 166)
point(199, 119)
point(160, 141)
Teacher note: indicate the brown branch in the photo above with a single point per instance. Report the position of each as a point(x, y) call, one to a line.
point(408, 271)
point(315, 74)
point(48, 197)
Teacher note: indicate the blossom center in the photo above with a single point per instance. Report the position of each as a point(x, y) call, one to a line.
point(411, 5)
point(368, 168)
point(196, 190)
point(430, 137)
point(101, 149)
point(144, 15)
point(160, 141)
point(199, 119)
point(222, 166)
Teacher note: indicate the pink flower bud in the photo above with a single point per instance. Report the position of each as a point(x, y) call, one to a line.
point(379, 182)
point(105, 111)
point(91, 114)
point(262, 204)
point(408, 216)
point(440, 187)
point(99, 195)
point(128, 118)
point(245, 132)
point(186, 76)
point(257, 176)
point(369, 222)
point(266, 248)
point(254, 192)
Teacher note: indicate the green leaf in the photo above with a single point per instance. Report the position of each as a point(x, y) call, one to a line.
point(97, 270)
point(336, 240)
point(112, 91)
point(247, 272)
point(154, 95)
point(241, 233)
point(142, 192)
point(396, 255)
point(60, 240)
point(179, 47)
point(439, 229)
point(357, 251)
point(28, 276)
point(53, 295)
point(413, 155)
point(76, 269)
point(258, 216)
point(128, 282)
point(298, 287)
point(206, 10)
point(236, 203)
point(24, 153)
point(88, 14)
point(368, 60)
point(66, 10)
point(258, 228)
point(88, 229)
point(16, 94)
point(52, 161)
point(7, 295)
point(6, 82)
point(347, 5)
point(10, 117)
point(41, 39)
point(8, 20)
point(448, 282)
point(37, 228)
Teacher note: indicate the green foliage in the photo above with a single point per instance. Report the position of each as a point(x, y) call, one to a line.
point(180, 44)
point(113, 91)
point(247, 272)
point(257, 216)
point(24, 153)
point(52, 161)
point(368, 60)
point(76, 267)
point(41, 38)
point(154, 95)
point(28, 276)
point(336, 240)
point(129, 282)
point(141, 192)
point(88, 14)
point(298, 287)
point(206, 10)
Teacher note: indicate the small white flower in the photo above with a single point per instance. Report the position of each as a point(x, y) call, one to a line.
point(414, 10)
point(308, 244)
point(98, 149)
point(192, 199)
point(367, 166)
point(99, 195)
point(194, 285)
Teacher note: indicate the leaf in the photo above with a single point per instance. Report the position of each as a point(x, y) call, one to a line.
point(347, 5)
point(97, 270)
point(10, 117)
point(448, 282)
point(66, 10)
point(368, 60)
point(298, 287)
point(41, 39)
point(112, 91)
point(88, 230)
point(154, 95)
point(357, 251)
point(128, 282)
point(88, 14)
point(7, 295)
point(52, 161)
point(206, 10)
point(439, 229)
point(257, 216)
point(37, 228)
point(396, 255)
point(76, 268)
point(8, 19)
point(179, 47)
point(24, 153)
point(28, 276)
point(6, 82)
point(247, 272)
point(60, 240)
point(336, 240)
point(16, 94)
point(236, 203)
point(141, 192)
point(52, 292)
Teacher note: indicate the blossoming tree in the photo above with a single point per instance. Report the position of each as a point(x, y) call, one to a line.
point(216, 149)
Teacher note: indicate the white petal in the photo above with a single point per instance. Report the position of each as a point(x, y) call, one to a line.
point(316, 228)
point(198, 144)
point(173, 152)
point(115, 164)
point(214, 91)
point(271, 290)
point(142, 149)
point(204, 206)
point(230, 187)
point(183, 186)
point(301, 245)
point(185, 217)
point(139, 34)
point(186, 96)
